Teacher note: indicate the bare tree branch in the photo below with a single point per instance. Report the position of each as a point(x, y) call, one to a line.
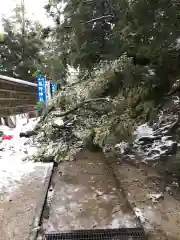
point(100, 18)
point(94, 20)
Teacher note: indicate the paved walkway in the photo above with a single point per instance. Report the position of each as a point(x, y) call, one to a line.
point(18, 209)
point(86, 196)
point(22, 183)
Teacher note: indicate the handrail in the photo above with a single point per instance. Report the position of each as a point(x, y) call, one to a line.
point(15, 80)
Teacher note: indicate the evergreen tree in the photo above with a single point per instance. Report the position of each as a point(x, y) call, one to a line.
point(86, 30)
point(19, 51)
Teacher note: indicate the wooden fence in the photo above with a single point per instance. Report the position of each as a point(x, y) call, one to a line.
point(16, 96)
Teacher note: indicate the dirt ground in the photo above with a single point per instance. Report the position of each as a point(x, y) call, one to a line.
point(160, 217)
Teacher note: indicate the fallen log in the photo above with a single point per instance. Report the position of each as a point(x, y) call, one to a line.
point(27, 134)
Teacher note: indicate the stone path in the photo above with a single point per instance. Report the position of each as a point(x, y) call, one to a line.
point(86, 196)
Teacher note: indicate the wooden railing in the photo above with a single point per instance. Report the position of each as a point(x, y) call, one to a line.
point(16, 96)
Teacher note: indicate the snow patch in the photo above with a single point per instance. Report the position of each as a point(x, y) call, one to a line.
point(13, 167)
point(59, 122)
point(121, 220)
point(155, 197)
point(143, 130)
point(149, 144)
point(151, 72)
point(177, 100)
point(122, 147)
point(146, 216)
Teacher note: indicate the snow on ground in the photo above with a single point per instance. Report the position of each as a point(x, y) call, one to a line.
point(13, 167)
point(146, 216)
point(143, 130)
point(149, 144)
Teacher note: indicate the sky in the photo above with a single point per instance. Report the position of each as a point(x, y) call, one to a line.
point(34, 9)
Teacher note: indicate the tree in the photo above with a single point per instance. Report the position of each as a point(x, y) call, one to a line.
point(19, 52)
point(147, 31)
point(52, 61)
point(150, 29)
point(86, 30)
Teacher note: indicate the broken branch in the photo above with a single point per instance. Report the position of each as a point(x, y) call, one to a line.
point(80, 105)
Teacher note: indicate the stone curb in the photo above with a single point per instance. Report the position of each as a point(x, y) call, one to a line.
point(35, 226)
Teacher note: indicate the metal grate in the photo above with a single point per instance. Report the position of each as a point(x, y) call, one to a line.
point(100, 234)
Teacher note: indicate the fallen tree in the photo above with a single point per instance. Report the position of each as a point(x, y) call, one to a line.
point(88, 114)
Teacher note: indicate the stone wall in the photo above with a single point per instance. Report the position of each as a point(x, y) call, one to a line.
point(16, 98)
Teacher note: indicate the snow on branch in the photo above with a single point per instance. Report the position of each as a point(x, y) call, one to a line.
point(100, 18)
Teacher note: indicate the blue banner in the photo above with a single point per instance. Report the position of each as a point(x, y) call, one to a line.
point(54, 87)
point(41, 82)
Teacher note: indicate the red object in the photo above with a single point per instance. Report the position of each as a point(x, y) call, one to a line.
point(7, 137)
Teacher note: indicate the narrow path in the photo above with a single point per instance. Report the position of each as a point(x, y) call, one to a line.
point(18, 210)
point(86, 196)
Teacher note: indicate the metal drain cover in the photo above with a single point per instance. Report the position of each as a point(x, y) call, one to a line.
point(100, 234)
